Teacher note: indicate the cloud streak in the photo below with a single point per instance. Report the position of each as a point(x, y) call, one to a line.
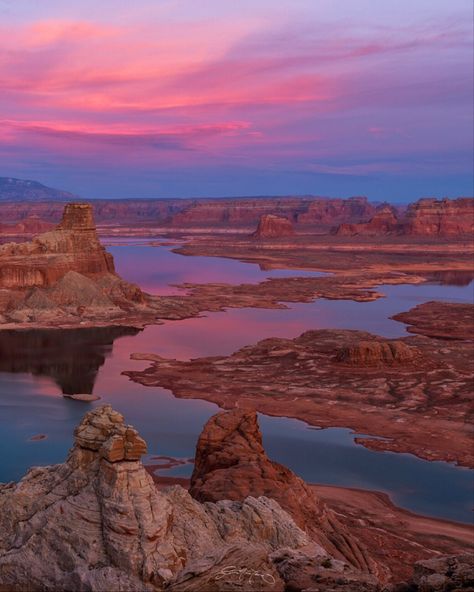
point(250, 89)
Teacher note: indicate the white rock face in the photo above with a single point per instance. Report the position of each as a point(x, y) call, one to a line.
point(98, 523)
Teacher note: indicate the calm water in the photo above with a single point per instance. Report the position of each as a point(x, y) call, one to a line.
point(37, 366)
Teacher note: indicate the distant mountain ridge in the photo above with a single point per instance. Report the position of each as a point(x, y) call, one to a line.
point(12, 189)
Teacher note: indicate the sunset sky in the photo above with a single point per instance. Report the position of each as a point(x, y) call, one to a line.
point(158, 98)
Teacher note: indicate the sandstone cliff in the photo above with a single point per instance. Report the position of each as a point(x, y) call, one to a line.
point(66, 277)
point(97, 523)
point(385, 221)
point(270, 226)
point(447, 218)
point(327, 211)
point(72, 246)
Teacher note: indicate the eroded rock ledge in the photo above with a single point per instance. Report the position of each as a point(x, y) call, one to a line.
point(415, 392)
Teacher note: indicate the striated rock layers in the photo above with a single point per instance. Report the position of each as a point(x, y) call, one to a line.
point(72, 246)
point(384, 221)
point(66, 276)
point(97, 523)
point(29, 225)
point(449, 218)
point(270, 226)
point(379, 353)
point(231, 463)
point(326, 212)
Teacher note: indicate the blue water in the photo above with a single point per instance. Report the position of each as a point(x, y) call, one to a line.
point(31, 385)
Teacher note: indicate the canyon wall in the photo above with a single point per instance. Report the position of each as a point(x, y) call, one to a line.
point(446, 218)
point(432, 217)
point(344, 217)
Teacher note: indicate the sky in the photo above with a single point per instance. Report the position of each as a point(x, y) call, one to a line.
point(180, 98)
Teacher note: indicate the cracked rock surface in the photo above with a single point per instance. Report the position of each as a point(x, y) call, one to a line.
point(98, 523)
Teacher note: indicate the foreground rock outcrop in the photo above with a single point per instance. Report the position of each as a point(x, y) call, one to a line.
point(231, 463)
point(270, 226)
point(97, 523)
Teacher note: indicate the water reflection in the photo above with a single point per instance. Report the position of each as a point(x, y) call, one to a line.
point(71, 357)
point(452, 277)
point(37, 366)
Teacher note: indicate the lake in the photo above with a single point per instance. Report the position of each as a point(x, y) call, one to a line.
point(36, 367)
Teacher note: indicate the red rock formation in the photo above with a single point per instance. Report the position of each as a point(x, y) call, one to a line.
point(97, 522)
point(236, 212)
point(231, 463)
point(432, 217)
point(30, 225)
point(378, 353)
point(270, 226)
point(328, 212)
point(384, 221)
point(73, 246)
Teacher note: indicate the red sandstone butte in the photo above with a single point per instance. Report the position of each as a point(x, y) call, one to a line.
point(271, 226)
point(432, 217)
point(72, 246)
point(384, 221)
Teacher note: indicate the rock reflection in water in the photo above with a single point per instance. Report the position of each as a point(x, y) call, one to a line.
point(71, 357)
point(452, 277)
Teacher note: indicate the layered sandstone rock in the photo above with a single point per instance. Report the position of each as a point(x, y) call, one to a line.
point(327, 212)
point(446, 218)
point(232, 464)
point(270, 226)
point(72, 246)
point(66, 276)
point(385, 221)
point(97, 523)
point(30, 225)
point(236, 212)
point(449, 218)
point(378, 352)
